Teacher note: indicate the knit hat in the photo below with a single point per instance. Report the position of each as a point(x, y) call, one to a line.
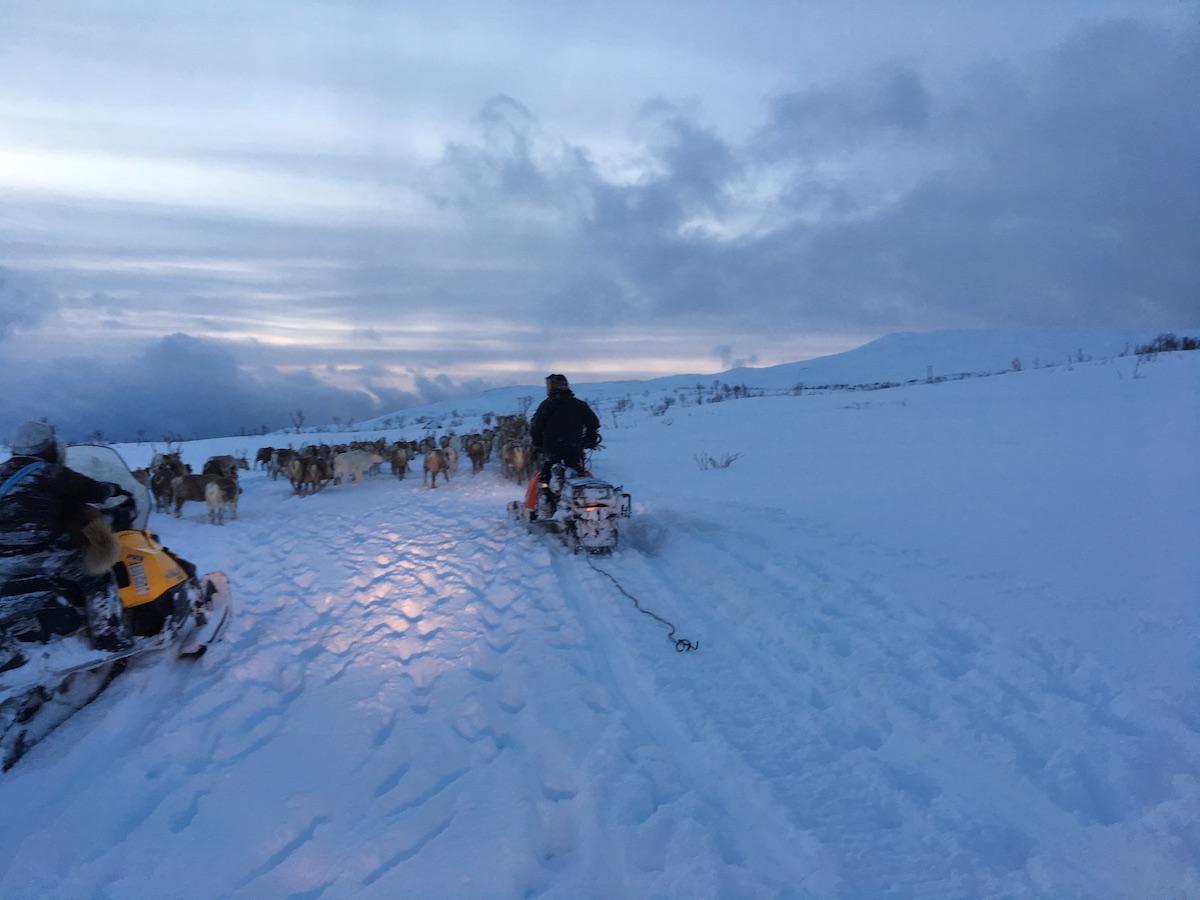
point(33, 438)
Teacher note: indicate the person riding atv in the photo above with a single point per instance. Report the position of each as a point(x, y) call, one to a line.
point(53, 543)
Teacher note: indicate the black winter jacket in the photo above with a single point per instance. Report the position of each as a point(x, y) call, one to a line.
point(33, 509)
point(563, 425)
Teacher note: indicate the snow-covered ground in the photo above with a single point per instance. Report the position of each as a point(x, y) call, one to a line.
point(947, 647)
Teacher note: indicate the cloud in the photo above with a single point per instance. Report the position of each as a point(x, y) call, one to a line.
point(510, 163)
point(23, 302)
point(889, 103)
point(1066, 195)
point(182, 386)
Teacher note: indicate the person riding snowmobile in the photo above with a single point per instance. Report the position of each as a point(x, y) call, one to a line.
point(562, 428)
point(53, 543)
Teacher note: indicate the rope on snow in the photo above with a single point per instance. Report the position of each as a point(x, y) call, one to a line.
point(681, 644)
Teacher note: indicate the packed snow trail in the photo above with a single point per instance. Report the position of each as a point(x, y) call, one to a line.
point(404, 669)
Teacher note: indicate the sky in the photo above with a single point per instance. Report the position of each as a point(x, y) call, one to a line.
point(217, 216)
point(961, 667)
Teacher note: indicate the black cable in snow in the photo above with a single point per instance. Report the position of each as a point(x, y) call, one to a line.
point(681, 644)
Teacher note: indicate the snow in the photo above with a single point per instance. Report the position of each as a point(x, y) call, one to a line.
point(946, 647)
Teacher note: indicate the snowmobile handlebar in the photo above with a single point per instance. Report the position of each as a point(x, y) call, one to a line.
point(120, 509)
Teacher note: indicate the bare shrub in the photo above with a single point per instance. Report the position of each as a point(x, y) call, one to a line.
point(705, 461)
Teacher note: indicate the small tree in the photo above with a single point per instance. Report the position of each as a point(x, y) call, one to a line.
point(298, 420)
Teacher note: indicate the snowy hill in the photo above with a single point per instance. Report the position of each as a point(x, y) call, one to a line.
point(947, 648)
point(896, 358)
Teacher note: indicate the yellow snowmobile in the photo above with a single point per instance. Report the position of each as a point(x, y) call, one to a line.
point(46, 675)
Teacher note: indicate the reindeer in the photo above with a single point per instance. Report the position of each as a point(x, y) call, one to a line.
point(170, 458)
point(164, 469)
point(518, 461)
point(226, 465)
point(280, 459)
point(400, 457)
point(435, 461)
point(185, 488)
point(160, 488)
point(221, 493)
point(318, 473)
point(354, 465)
point(477, 451)
point(308, 474)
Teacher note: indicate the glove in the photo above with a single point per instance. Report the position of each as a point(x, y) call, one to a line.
point(593, 442)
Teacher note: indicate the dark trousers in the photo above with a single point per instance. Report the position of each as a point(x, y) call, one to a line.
point(571, 457)
point(59, 603)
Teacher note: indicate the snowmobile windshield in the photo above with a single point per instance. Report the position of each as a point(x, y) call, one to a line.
point(106, 464)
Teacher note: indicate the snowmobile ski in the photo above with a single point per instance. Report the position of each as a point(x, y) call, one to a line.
point(209, 618)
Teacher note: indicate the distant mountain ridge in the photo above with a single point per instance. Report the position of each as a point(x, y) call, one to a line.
point(907, 356)
point(899, 357)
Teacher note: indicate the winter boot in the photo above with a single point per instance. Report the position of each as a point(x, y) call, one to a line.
point(106, 619)
point(545, 502)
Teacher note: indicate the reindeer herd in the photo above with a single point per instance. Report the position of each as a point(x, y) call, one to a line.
point(313, 467)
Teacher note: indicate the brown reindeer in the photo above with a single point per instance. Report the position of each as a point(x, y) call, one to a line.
point(308, 474)
point(477, 451)
point(185, 488)
point(164, 469)
point(226, 465)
